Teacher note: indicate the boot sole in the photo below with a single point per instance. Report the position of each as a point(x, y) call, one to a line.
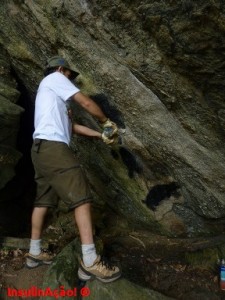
point(85, 277)
point(38, 263)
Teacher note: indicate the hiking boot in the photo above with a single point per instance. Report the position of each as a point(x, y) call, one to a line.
point(33, 261)
point(101, 269)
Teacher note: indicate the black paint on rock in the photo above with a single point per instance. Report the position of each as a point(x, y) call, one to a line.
point(109, 110)
point(160, 192)
point(131, 162)
point(115, 154)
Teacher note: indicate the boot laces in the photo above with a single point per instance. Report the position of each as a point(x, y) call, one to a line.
point(106, 263)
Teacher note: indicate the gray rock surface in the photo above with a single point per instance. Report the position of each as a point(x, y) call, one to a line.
point(62, 277)
point(159, 68)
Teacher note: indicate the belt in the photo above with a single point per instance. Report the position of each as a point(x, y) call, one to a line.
point(37, 144)
point(38, 141)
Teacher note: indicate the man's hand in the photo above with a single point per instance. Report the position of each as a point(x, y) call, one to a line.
point(110, 129)
point(109, 141)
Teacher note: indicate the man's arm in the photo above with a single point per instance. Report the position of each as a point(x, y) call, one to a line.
point(83, 130)
point(90, 106)
point(109, 128)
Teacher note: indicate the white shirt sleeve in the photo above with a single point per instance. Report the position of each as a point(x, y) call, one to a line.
point(62, 86)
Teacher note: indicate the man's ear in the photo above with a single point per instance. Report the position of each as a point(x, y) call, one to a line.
point(60, 69)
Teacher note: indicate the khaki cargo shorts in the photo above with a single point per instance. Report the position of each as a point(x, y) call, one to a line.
point(58, 176)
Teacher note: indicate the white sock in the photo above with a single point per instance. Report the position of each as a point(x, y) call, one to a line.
point(89, 254)
point(35, 247)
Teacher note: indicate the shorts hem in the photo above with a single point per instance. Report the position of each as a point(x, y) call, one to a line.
point(84, 201)
point(44, 205)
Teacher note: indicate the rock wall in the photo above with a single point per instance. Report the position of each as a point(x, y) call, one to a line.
point(10, 116)
point(156, 68)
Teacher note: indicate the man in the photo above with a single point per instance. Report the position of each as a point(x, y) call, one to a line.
point(58, 173)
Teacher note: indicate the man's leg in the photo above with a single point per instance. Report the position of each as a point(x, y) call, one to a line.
point(37, 222)
point(92, 264)
point(35, 257)
point(84, 223)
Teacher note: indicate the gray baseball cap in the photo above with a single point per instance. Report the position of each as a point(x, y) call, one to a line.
point(58, 61)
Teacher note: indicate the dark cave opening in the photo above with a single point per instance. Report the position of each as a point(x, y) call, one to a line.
point(19, 193)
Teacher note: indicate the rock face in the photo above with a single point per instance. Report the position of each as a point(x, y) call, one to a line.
point(157, 69)
point(10, 117)
point(61, 279)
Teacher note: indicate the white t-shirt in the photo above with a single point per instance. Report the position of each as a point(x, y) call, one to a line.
point(51, 120)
